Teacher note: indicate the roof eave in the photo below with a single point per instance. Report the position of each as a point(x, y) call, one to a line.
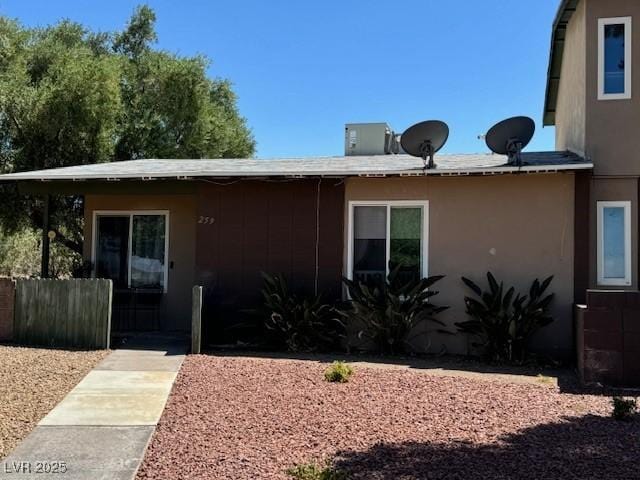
point(505, 169)
point(556, 51)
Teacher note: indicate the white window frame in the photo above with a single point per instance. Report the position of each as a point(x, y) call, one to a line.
point(130, 214)
point(602, 22)
point(626, 280)
point(390, 204)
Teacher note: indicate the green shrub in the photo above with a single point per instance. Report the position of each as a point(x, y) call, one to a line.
point(505, 321)
point(338, 372)
point(20, 255)
point(623, 408)
point(311, 471)
point(389, 312)
point(298, 323)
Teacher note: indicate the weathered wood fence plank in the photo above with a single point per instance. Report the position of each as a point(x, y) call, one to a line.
point(63, 313)
point(196, 320)
point(7, 308)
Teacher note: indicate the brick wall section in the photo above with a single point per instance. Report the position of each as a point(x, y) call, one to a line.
point(7, 299)
point(608, 338)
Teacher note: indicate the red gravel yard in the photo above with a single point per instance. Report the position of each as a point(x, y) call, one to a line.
point(252, 418)
point(32, 382)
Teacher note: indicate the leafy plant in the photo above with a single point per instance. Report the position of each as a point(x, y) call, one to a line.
point(298, 323)
point(505, 321)
point(338, 372)
point(311, 471)
point(73, 96)
point(623, 408)
point(389, 312)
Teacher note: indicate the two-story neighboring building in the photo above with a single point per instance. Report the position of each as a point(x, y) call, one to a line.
point(593, 99)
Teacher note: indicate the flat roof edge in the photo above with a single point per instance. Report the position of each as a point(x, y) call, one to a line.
point(323, 173)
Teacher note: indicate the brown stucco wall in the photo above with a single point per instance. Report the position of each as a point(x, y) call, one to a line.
point(571, 104)
point(519, 227)
point(614, 189)
point(606, 128)
point(176, 305)
point(611, 140)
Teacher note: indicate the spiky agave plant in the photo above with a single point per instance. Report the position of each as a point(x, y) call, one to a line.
point(504, 321)
point(298, 323)
point(389, 312)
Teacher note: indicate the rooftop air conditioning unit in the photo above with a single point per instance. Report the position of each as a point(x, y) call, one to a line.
point(370, 139)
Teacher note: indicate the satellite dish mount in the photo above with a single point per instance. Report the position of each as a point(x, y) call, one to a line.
point(427, 154)
point(514, 151)
point(509, 137)
point(424, 139)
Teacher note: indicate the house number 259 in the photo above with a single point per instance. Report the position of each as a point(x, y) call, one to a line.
point(206, 220)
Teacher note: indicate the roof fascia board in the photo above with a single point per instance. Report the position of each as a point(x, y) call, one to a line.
point(174, 175)
point(556, 51)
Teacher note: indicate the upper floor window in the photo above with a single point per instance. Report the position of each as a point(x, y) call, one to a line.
point(614, 58)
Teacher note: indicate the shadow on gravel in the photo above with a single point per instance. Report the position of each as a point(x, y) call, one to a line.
point(590, 447)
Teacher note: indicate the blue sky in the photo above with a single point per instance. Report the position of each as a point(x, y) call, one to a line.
point(303, 69)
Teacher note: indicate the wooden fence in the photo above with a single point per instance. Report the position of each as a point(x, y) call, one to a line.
point(63, 313)
point(196, 320)
point(7, 298)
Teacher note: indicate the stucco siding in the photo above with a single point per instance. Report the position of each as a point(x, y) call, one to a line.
point(571, 104)
point(518, 227)
point(614, 189)
point(611, 141)
point(176, 304)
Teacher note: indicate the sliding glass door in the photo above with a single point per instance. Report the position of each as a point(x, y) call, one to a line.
point(131, 249)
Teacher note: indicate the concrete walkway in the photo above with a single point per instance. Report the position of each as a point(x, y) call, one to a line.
point(101, 429)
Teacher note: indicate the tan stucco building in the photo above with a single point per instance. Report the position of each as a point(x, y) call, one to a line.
point(167, 225)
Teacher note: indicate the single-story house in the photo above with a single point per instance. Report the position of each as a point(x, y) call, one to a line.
point(173, 224)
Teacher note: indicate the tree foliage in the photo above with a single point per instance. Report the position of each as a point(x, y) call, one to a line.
point(69, 96)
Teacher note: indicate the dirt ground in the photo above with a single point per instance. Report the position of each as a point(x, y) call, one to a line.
point(252, 418)
point(32, 382)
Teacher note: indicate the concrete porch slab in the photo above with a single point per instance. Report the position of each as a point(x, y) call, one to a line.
point(116, 398)
point(125, 382)
point(106, 409)
point(100, 453)
point(137, 360)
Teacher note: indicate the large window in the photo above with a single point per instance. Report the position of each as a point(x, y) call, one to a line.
point(614, 243)
point(384, 236)
point(131, 248)
point(614, 58)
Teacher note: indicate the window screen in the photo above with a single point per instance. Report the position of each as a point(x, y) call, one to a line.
point(369, 243)
point(406, 242)
point(112, 248)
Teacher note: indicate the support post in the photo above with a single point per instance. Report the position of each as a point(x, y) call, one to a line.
point(196, 320)
point(44, 269)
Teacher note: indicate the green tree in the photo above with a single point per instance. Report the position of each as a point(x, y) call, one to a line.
point(69, 96)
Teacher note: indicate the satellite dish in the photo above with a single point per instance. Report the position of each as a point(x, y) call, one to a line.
point(424, 139)
point(510, 136)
